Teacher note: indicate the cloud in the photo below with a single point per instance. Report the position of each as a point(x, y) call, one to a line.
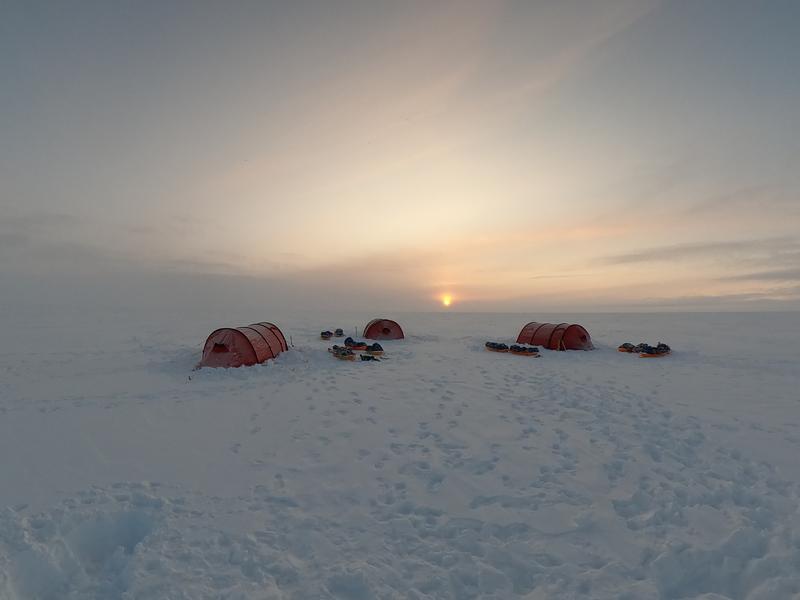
point(776, 299)
point(787, 275)
point(13, 240)
point(763, 247)
point(749, 200)
point(38, 220)
point(558, 276)
point(27, 232)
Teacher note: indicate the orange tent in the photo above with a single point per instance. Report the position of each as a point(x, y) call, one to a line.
point(243, 346)
point(561, 336)
point(383, 329)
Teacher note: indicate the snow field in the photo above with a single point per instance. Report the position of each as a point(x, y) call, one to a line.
point(444, 471)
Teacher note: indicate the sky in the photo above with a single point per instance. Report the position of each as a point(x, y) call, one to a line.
point(515, 155)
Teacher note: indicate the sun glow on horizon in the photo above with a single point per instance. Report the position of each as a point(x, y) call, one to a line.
point(447, 300)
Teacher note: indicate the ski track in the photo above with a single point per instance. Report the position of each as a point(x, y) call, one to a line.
point(442, 472)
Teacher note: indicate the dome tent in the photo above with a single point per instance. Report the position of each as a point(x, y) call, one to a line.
point(562, 336)
point(243, 346)
point(383, 329)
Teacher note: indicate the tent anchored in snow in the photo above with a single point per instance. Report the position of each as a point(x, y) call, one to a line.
point(243, 346)
point(383, 329)
point(561, 336)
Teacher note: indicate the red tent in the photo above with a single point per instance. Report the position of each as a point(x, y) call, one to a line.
point(383, 329)
point(562, 336)
point(243, 346)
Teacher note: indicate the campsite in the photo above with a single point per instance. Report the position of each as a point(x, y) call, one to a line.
point(399, 300)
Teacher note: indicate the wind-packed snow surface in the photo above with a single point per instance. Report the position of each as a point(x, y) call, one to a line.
point(444, 471)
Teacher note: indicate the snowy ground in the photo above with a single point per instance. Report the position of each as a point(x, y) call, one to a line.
point(443, 472)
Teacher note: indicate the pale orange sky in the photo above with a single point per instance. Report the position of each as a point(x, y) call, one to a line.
point(505, 153)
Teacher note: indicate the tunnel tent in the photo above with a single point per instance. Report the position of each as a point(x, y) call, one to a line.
point(383, 329)
point(273, 336)
point(556, 336)
point(243, 346)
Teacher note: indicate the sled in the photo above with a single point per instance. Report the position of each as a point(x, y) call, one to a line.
point(341, 355)
point(658, 355)
point(625, 350)
point(533, 354)
point(502, 350)
point(355, 345)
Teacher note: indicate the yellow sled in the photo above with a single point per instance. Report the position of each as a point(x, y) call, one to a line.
point(532, 354)
point(645, 355)
point(341, 355)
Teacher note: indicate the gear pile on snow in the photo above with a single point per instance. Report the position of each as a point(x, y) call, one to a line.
point(342, 353)
point(355, 345)
point(371, 351)
point(524, 350)
point(645, 350)
point(496, 347)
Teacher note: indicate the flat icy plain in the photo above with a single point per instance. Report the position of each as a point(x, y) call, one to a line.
point(444, 471)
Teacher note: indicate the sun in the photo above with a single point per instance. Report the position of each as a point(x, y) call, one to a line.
point(447, 300)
